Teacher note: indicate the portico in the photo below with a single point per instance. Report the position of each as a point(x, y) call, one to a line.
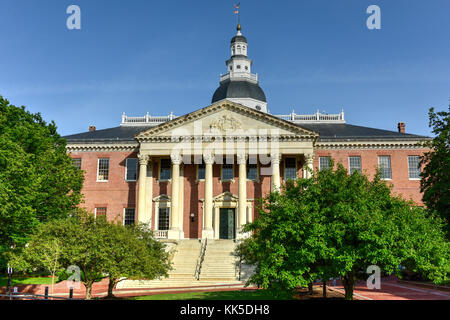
point(223, 134)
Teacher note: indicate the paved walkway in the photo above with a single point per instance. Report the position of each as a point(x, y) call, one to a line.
point(100, 289)
point(392, 290)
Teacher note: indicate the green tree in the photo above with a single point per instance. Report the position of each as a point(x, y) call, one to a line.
point(38, 182)
point(435, 183)
point(99, 248)
point(134, 254)
point(39, 253)
point(336, 225)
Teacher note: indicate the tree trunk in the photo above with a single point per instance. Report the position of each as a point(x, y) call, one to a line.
point(88, 286)
point(348, 281)
point(111, 285)
point(324, 288)
point(310, 288)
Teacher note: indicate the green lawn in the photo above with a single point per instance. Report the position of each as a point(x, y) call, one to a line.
point(217, 295)
point(16, 280)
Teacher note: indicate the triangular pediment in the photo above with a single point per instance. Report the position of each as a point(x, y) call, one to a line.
point(224, 117)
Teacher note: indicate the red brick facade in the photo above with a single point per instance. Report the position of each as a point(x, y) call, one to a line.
point(117, 194)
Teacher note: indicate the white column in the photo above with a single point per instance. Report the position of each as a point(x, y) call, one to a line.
point(143, 160)
point(275, 160)
point(149, 193)
point(242, 202)
point(174, 232)
point(208, 231)
point(181, 202)
point(309, 159)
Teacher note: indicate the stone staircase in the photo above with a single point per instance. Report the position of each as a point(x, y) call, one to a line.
point(219, 263)
point(218, 268)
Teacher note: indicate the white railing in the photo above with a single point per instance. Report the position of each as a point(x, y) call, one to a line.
point(161, 234)
point(313, 118)
point(146, 120)
point(244, 75)
point(317, 117)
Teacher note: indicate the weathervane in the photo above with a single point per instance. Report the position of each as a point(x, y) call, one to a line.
point(236, 11)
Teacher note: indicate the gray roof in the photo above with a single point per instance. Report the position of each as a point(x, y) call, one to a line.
point(327, 132)
point(238, 39)
point(344, 131)
point(116, 134)
point(239, 89)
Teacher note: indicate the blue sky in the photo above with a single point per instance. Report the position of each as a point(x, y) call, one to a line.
point(136, 56)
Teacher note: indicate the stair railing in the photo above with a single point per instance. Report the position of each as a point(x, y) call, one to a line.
point(201, 257)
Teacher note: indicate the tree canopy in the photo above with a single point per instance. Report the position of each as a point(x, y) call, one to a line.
point(435, 183)
point(336, 225)
point(99, 248)
point(38, 181)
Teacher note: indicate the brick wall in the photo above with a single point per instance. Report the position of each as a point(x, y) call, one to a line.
point(409, 189)
point(117, 194)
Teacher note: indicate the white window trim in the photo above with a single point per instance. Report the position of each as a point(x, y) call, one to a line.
point(420, 169)
point(98, 169)
point(221, 175)
point(349, 167)
point(390, 167)
point(257, 171)
point(284, 168)
point(126, 170)
point(161, 205)
point(124, 210)
point(196, 173)
point(159, 170)
point(329, 160)
point(95, 211)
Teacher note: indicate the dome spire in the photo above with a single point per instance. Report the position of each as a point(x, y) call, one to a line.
point(238, 28)
point(239, 84)
point(237, 12)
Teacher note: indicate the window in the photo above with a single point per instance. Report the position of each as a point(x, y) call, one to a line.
point(201, 171)
point(165, 173)
point(231, 68)
point(354, 164)
point(290, 168)
point(131, 169)
point(324, 163)
point(129, 216)
point(246, 67)
point(103, 169)
point(227, 172)
point(414, 167)
point(100, 212)
point(163, 219)
point(384, 164)
point(252, 171)
point(238, 66)
point(77, 163)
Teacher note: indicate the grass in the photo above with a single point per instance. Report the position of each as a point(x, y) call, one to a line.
point(24, 279)
point(216, 295)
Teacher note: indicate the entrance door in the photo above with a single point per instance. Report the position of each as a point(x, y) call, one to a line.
point(227, 224)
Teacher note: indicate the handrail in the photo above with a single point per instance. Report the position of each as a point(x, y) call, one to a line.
point(201, 257)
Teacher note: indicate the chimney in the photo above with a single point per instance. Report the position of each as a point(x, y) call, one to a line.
point(91, 128)
point(401, 127)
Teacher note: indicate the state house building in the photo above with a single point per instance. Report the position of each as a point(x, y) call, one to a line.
point(132, 173)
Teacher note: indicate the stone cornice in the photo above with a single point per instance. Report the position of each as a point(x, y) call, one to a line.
point(102, 147)
point(370, 145)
